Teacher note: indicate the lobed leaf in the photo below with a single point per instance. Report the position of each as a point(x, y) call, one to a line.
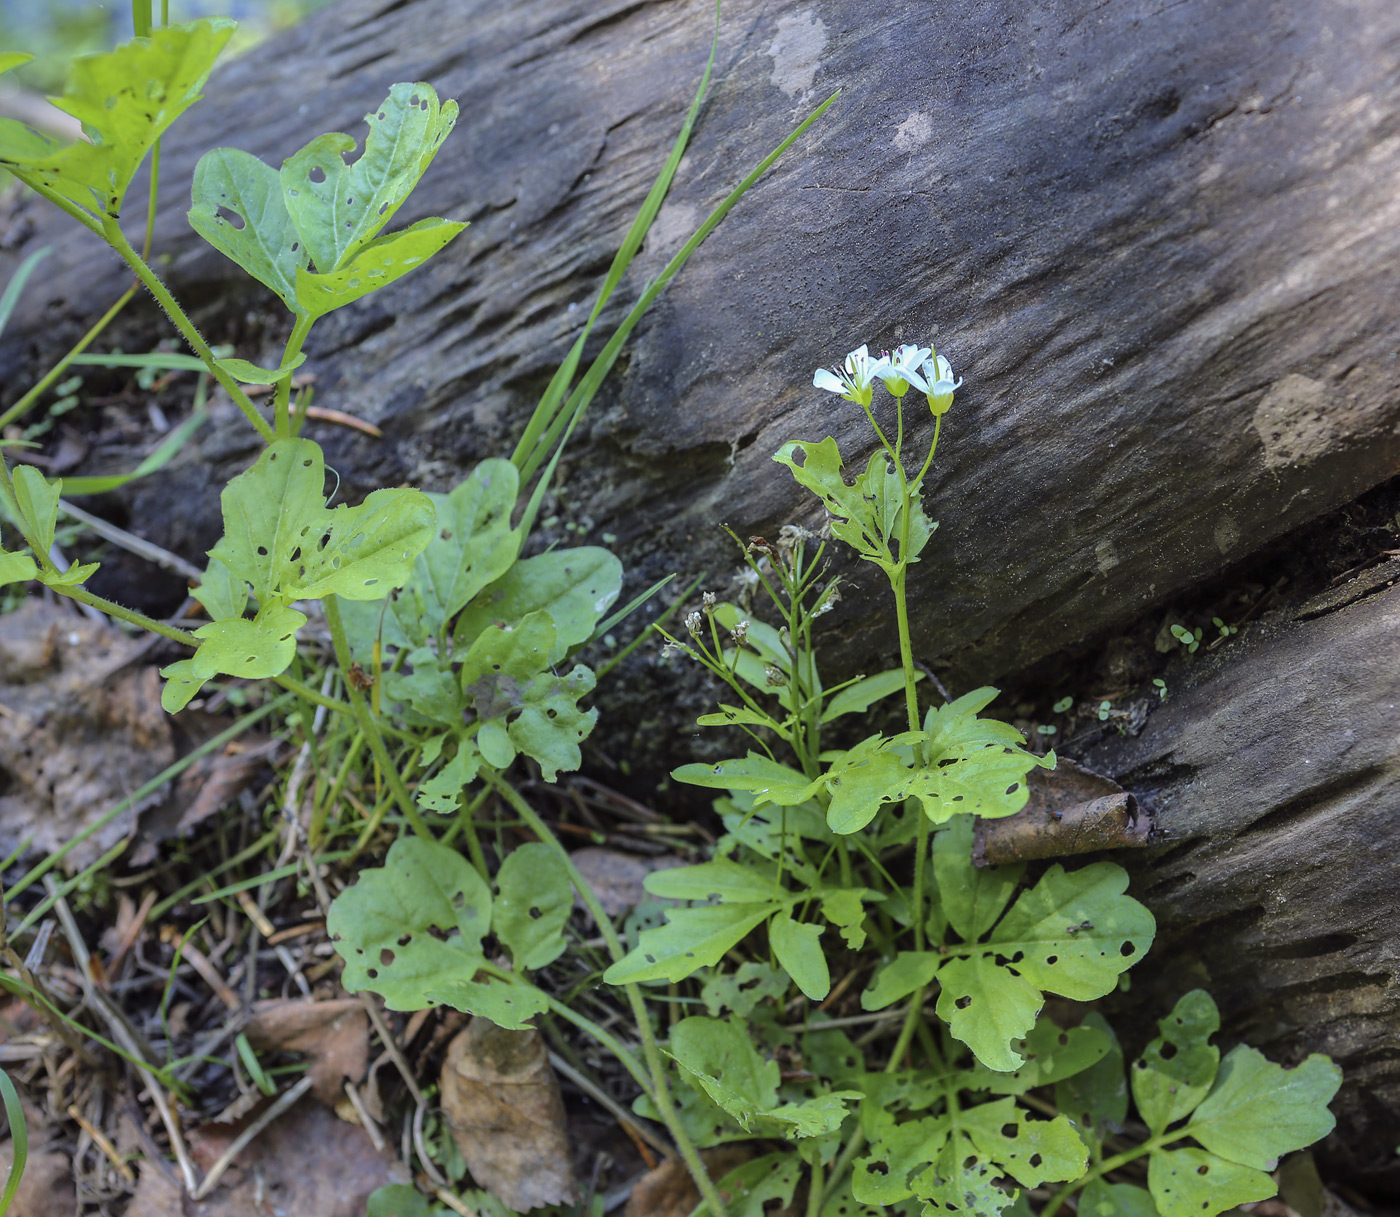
point(1176, 1070)
point(387, 926)
point(236, 646)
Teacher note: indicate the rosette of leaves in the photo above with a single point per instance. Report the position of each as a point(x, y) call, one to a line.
point(958, 763)
point(1072, 933)
point(1217, 1127)
point(282, 544)
point(473, 644)
point(311, 230)
point(124, 99)
point(730, 900)
point(413, 929)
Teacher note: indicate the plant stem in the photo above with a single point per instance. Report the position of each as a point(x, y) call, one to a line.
point(283, 394)
point(111, 230)
point(131, 616)
point(660, 1091)
point(1104, 1167)
point(372, 734)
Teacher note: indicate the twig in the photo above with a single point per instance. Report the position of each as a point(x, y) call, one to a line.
point(367, 1121)
point(241, 1141)
point(102, 1142)
point(429, 1166)
point(386, 1037)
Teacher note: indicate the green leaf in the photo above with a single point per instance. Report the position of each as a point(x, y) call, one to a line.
point(1176, 1070)
point(430, 689)
point(124, 99)
point(239, 208)
point(534, 902)
point(220, 593)
point(762, 1185)
point(692, 938)
point(955, 1164)
point(401, 1200)
point(734, 716)
point(74, 576)
point(280, 537)
point(182, 686)
point(442, 791)
point(1051, 1055)
point(16, 568)
point(742, 989)
point(1103, 1199)
point(384, 925)
point(574, 586)
point(9, 60)
point(1096, 1100)
point(376, 265)
point(727, 880)
point(797, 950)
point(508, 1004)
point(1192, 1183)
point(474, 544)
point(769, 781)
point(338, 207)
point(908, 971)
point(972, 897)
point(857, 698)
point(1258, 1111)
point(37, 500)
point(251, 374)
point(257, 648)
point(862, 781)
point(1073, 933)
point(845, 909)
point(550, 725)
point(718, 1057)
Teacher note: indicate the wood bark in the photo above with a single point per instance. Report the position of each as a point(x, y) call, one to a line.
point(1161, 242)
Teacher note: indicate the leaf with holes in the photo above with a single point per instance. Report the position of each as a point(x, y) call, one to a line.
point(280, 537)
point(1176, 1070)
point(743, 989)
point(1073, 933)
point(442, 792)
point(1192, 1183)
point(181, 686)
point(411, 925)
point(124, 99)
point(535, 898)
point(376, 265)
point(574, 586)
point(239, 208)
point(236, 646)
point(762, 1185)
point(767, 780)
point(956, 1162)
point(220, 593)
point(339, 207)
point(508, 1004)
point(845, 909)
point(692, 938)
point(862, 780)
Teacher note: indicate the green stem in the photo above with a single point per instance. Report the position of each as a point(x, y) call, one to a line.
point(365, 719)
point(660, 1091)
point(111, 230)
point(1104, 1167)
point(283, 396)
point(814, 1189)
point(149, 624)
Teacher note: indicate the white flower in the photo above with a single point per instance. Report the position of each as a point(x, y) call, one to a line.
point(853, 379)
point(901, 370)
point(941, 386)
point(692, 624)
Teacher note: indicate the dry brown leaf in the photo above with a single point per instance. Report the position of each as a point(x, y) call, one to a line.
point(335, 1034)
point(502, 1102)
point(46, 1189)
point(1071, 810)
point(307, 1164)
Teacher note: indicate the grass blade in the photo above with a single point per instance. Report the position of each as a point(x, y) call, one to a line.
point(19, 1138)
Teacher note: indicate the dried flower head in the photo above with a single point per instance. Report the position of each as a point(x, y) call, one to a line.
point(692, 623)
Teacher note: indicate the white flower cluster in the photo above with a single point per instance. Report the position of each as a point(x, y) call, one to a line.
point(908, 366)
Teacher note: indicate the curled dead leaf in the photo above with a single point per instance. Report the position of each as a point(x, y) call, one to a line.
point(335, 1034)
point(502, 1102)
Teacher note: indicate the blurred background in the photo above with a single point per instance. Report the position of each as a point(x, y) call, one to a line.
point(55, 30)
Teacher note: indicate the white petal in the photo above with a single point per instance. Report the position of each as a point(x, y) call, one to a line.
point(824, 378)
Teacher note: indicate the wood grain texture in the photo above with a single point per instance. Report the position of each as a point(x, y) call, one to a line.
point(1276, 774)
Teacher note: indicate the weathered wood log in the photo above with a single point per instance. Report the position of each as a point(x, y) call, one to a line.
point(1275, 774)
point(1160, 244)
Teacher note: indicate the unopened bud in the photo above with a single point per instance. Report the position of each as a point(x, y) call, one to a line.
point(707, 602)
point(692, 623)
point(740, 633)
point(774, 677)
